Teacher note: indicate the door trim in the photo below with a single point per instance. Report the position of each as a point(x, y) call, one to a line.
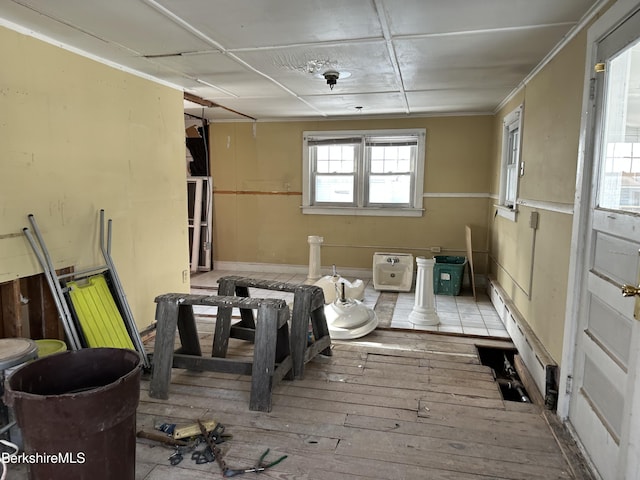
point(612, 18)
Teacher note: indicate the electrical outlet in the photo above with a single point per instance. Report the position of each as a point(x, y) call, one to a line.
point(185, 276)
point(435, 249)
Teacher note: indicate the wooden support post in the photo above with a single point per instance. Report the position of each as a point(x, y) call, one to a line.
point(222, 332)
point(188, 331)
point(35, 290)
point(11, 309)
point(264, 360)
point(247, 319)
point(167, 321)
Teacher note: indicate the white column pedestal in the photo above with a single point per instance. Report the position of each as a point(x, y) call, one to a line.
point(424, 311)
point(314, 258)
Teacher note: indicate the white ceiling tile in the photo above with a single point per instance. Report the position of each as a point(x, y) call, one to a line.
point(132, 24)
point(473, 60)
point(252, 23)
point(456, 101)
point(371, 103)
point(230, 77)
point(418, 17)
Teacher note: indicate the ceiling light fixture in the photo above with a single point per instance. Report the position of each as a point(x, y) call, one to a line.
point(331, 76)
point(326, 69)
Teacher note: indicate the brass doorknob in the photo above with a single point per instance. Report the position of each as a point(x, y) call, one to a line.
point(630, 291)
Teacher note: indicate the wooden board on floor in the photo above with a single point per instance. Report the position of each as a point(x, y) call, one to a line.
point(384, 307)
point(527, 380)
point(472, 279)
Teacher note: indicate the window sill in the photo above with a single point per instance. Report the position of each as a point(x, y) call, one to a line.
point(372, 212)
point(506, 212)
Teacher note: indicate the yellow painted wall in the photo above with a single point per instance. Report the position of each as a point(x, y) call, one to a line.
point(257, 183)
point(77, 136)
point(552, 109)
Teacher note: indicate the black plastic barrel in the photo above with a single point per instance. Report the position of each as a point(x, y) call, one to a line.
point(77, 413)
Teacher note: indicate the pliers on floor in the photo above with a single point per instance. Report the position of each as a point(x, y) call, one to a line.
point(261, 466)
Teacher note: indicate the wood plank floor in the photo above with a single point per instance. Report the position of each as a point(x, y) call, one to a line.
point(401, 405)
point(392, 405)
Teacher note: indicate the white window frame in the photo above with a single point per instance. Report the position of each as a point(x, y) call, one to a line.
point(511, 124)
point(360, 207)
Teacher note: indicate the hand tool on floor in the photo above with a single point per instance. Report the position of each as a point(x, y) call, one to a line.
point(161, 437)
point(260, 466)
point(232, 472)
point(213, 447)
point(203, 456)
point(194, 429)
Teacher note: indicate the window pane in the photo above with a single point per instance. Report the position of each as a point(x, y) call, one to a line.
point(512, 159)
point(322, 152)
point(334, 188)
point(335, 158)
point(512, 178)
point(619, 186)
point(394, 189)
point(340, 166)
point(391, 159)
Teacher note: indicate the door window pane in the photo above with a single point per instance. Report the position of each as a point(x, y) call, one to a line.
point(619, 187)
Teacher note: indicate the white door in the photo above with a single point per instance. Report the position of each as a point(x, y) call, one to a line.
point(605, 401)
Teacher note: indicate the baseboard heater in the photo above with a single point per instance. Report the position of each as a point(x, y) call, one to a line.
point(543, 369)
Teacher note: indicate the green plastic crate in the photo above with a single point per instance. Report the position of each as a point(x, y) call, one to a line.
point(447, 274)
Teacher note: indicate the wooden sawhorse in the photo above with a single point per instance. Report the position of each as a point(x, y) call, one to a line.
point(308, 306)
point(271, 355)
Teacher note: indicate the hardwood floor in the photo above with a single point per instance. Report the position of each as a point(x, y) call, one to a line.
point(392, 405)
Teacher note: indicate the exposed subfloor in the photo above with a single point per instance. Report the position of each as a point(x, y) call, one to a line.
point(401, 405)
point(395, 404)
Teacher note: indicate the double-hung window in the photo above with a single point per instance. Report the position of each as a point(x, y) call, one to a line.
point(510, 171)
point(373, 172)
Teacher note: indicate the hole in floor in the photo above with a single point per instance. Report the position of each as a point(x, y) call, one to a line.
point(507, 378)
